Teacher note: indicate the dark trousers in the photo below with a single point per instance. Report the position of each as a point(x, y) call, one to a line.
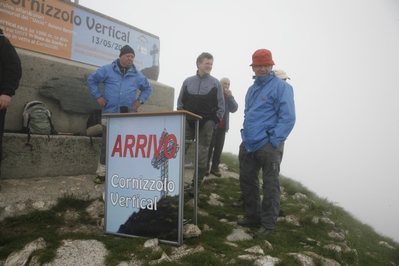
point(268, 159)
point(216, 148)
point(2, 122)
point(103, 147)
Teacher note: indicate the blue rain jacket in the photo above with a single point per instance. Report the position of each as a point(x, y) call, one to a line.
point(269, 113)
point(119, 90)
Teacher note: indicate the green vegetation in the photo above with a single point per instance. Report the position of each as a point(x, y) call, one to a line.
point(361, 239)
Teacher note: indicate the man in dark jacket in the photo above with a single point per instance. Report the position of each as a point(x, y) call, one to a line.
point(220, 130)
point(10, 74)
point(202, 94)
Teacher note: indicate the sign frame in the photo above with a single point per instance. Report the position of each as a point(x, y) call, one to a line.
point(138, 202)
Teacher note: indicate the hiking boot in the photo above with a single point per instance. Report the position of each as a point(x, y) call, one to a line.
point(207, 173)
point(99, 179)
point(216, 173)
point(247, 222)
point(238, 203)
point(262, 233)
point(281, 213)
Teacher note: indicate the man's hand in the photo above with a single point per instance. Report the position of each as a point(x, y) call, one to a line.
point(136, 105)
point(101, 101)
point(5, 101)
point(228, 92)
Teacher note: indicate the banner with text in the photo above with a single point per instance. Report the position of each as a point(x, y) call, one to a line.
point(62, 30)
point(143, 181)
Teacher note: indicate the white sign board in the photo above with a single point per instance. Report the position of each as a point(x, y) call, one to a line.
point(144, 178)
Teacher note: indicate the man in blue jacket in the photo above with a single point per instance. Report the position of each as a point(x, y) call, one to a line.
point(220, 130)
point(121, 81)
point(269, 117)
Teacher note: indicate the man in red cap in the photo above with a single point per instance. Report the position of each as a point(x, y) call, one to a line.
point(269, 117)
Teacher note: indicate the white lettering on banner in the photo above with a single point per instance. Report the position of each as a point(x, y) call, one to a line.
point(6, 5)
point(37, 21)
point(24, 39)
point(54, 26)
point(142, 184)
point(134, 202)
point(47, 45)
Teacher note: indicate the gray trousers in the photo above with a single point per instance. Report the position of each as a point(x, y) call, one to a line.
point(268, 159)
point(204, 140)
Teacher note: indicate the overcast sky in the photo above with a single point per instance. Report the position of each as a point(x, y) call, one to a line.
point(342, 57)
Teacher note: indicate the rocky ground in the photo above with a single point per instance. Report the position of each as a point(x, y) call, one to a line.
point(19, 196)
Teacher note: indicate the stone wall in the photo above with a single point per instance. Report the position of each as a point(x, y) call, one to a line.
point(49, 156)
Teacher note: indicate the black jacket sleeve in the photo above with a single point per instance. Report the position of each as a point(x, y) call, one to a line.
point(10, 67)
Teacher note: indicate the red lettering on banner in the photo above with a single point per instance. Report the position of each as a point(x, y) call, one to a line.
point(165, 149)
point(117, 146)
point(143, 145)
point(150, 145)
point(129, 144)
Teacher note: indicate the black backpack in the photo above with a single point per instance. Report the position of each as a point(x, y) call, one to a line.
point(93, 125)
